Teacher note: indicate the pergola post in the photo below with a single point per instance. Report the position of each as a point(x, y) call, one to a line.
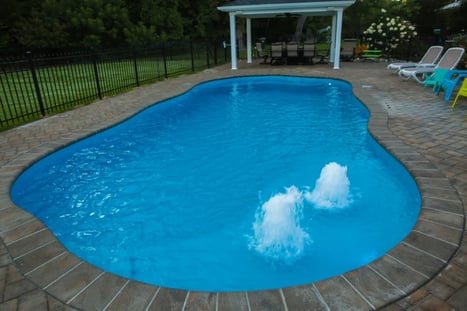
point(338, 40)
point(233, 41)
point(332, 52)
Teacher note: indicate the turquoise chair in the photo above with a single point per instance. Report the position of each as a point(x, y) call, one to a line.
point(452, 79)
point(435, 78)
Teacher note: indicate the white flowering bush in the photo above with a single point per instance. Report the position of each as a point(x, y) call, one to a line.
point(388, 33)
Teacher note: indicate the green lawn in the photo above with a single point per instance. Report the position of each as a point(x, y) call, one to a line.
point(65, 86)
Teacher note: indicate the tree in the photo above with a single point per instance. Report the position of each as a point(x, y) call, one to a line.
point(95, 23)
point(140, 35)
point(359, 16)
point(69, 23)
point(13, 13)
point(202, 20)
point(456, 19)
point(108, 23)
point(428, 17)
point(44, 27)
point(164, 16)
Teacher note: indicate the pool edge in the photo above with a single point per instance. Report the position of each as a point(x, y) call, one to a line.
point(357, 286)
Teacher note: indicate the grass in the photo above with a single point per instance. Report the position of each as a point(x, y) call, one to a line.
point(68, 85)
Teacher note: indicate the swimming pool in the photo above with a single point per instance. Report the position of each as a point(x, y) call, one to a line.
point(228, 156)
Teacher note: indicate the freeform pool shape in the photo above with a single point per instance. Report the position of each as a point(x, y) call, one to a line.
point(173, 196)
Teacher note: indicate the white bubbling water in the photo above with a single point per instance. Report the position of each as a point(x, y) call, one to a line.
point(278, 233)
point(332, 187)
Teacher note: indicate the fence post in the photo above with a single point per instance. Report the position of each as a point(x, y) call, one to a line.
point(165, 60)
point(225, 52)
point(136, 68)
point(207, 55)
point(36, 83)
point(192, 56)
point(215, 53)
point(96, 75)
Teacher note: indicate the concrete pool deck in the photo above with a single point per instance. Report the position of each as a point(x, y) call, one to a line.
point(426, 271)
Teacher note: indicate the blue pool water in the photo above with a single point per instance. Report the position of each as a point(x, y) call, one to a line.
point(240, 184)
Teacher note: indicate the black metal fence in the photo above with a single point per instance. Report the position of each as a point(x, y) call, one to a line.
point(35, 84)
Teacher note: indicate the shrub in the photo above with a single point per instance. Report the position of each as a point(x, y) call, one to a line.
point(388, 33)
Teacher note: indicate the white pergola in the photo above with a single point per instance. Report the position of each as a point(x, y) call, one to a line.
point(251, 9)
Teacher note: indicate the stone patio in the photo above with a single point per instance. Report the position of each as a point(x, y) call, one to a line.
point(426, 271)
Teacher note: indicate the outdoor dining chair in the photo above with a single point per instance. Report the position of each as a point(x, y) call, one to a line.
point(348, 49)
point(308, 52)
point(260, 53)
point(292, 52)
point(277, 55)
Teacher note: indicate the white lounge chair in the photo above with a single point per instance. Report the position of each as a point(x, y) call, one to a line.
point(428, 60)
point(449, 61)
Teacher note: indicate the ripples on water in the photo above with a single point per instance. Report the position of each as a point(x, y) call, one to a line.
point(219, 189)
